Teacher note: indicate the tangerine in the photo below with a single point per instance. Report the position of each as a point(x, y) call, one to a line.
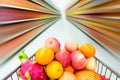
point(54, 70)
point(69, 69)
point(88, 50)
point(44, 55)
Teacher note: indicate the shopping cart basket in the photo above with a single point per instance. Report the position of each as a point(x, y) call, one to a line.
point(102, 69)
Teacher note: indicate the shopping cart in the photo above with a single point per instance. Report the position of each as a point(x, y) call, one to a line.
point(102, 69)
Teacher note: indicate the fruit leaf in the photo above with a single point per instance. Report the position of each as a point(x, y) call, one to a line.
point(22, 56)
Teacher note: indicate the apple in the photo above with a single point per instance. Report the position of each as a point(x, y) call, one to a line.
point(79, 61)
point(63, 57)
point(71, 45)
point(91, 64)
point(53, 43)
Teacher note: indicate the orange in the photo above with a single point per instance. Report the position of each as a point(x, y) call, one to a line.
point(69, 69)
point(87, 75)
point(88, 50)
point(44, 55)
point(54, 70)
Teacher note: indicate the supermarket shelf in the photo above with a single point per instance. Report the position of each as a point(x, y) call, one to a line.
point(62, 30)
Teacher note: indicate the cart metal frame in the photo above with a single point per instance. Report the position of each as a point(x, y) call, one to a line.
point(102, 69)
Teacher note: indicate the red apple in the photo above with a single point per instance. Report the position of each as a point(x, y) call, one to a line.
point(79, 61)
point(63, 57)
point(71, 45)
point(53, 43)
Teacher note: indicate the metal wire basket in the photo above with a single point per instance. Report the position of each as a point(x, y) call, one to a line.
point(102, 69)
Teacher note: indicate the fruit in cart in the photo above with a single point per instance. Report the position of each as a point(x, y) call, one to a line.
point(44, 55)
point(71, 45)
point(63, 57)
point(69, 69)
point(79, 61)
point(60, 65)
point(87, 75)
point(67, 76)
point(30, 70)
point(91, 64)
point(53, 43)
point(88, 50)
point(54, 70)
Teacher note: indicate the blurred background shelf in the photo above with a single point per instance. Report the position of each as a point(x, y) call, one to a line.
point(99, 19)
point(21, 22)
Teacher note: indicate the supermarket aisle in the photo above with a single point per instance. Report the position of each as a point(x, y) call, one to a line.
point(60, 31)
point(61, 5)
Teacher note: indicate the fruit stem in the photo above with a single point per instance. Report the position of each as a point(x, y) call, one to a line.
point(22, 56)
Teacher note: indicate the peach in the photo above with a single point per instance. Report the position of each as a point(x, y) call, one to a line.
point(91, 64)
point(79, 61)
point(67, 76)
